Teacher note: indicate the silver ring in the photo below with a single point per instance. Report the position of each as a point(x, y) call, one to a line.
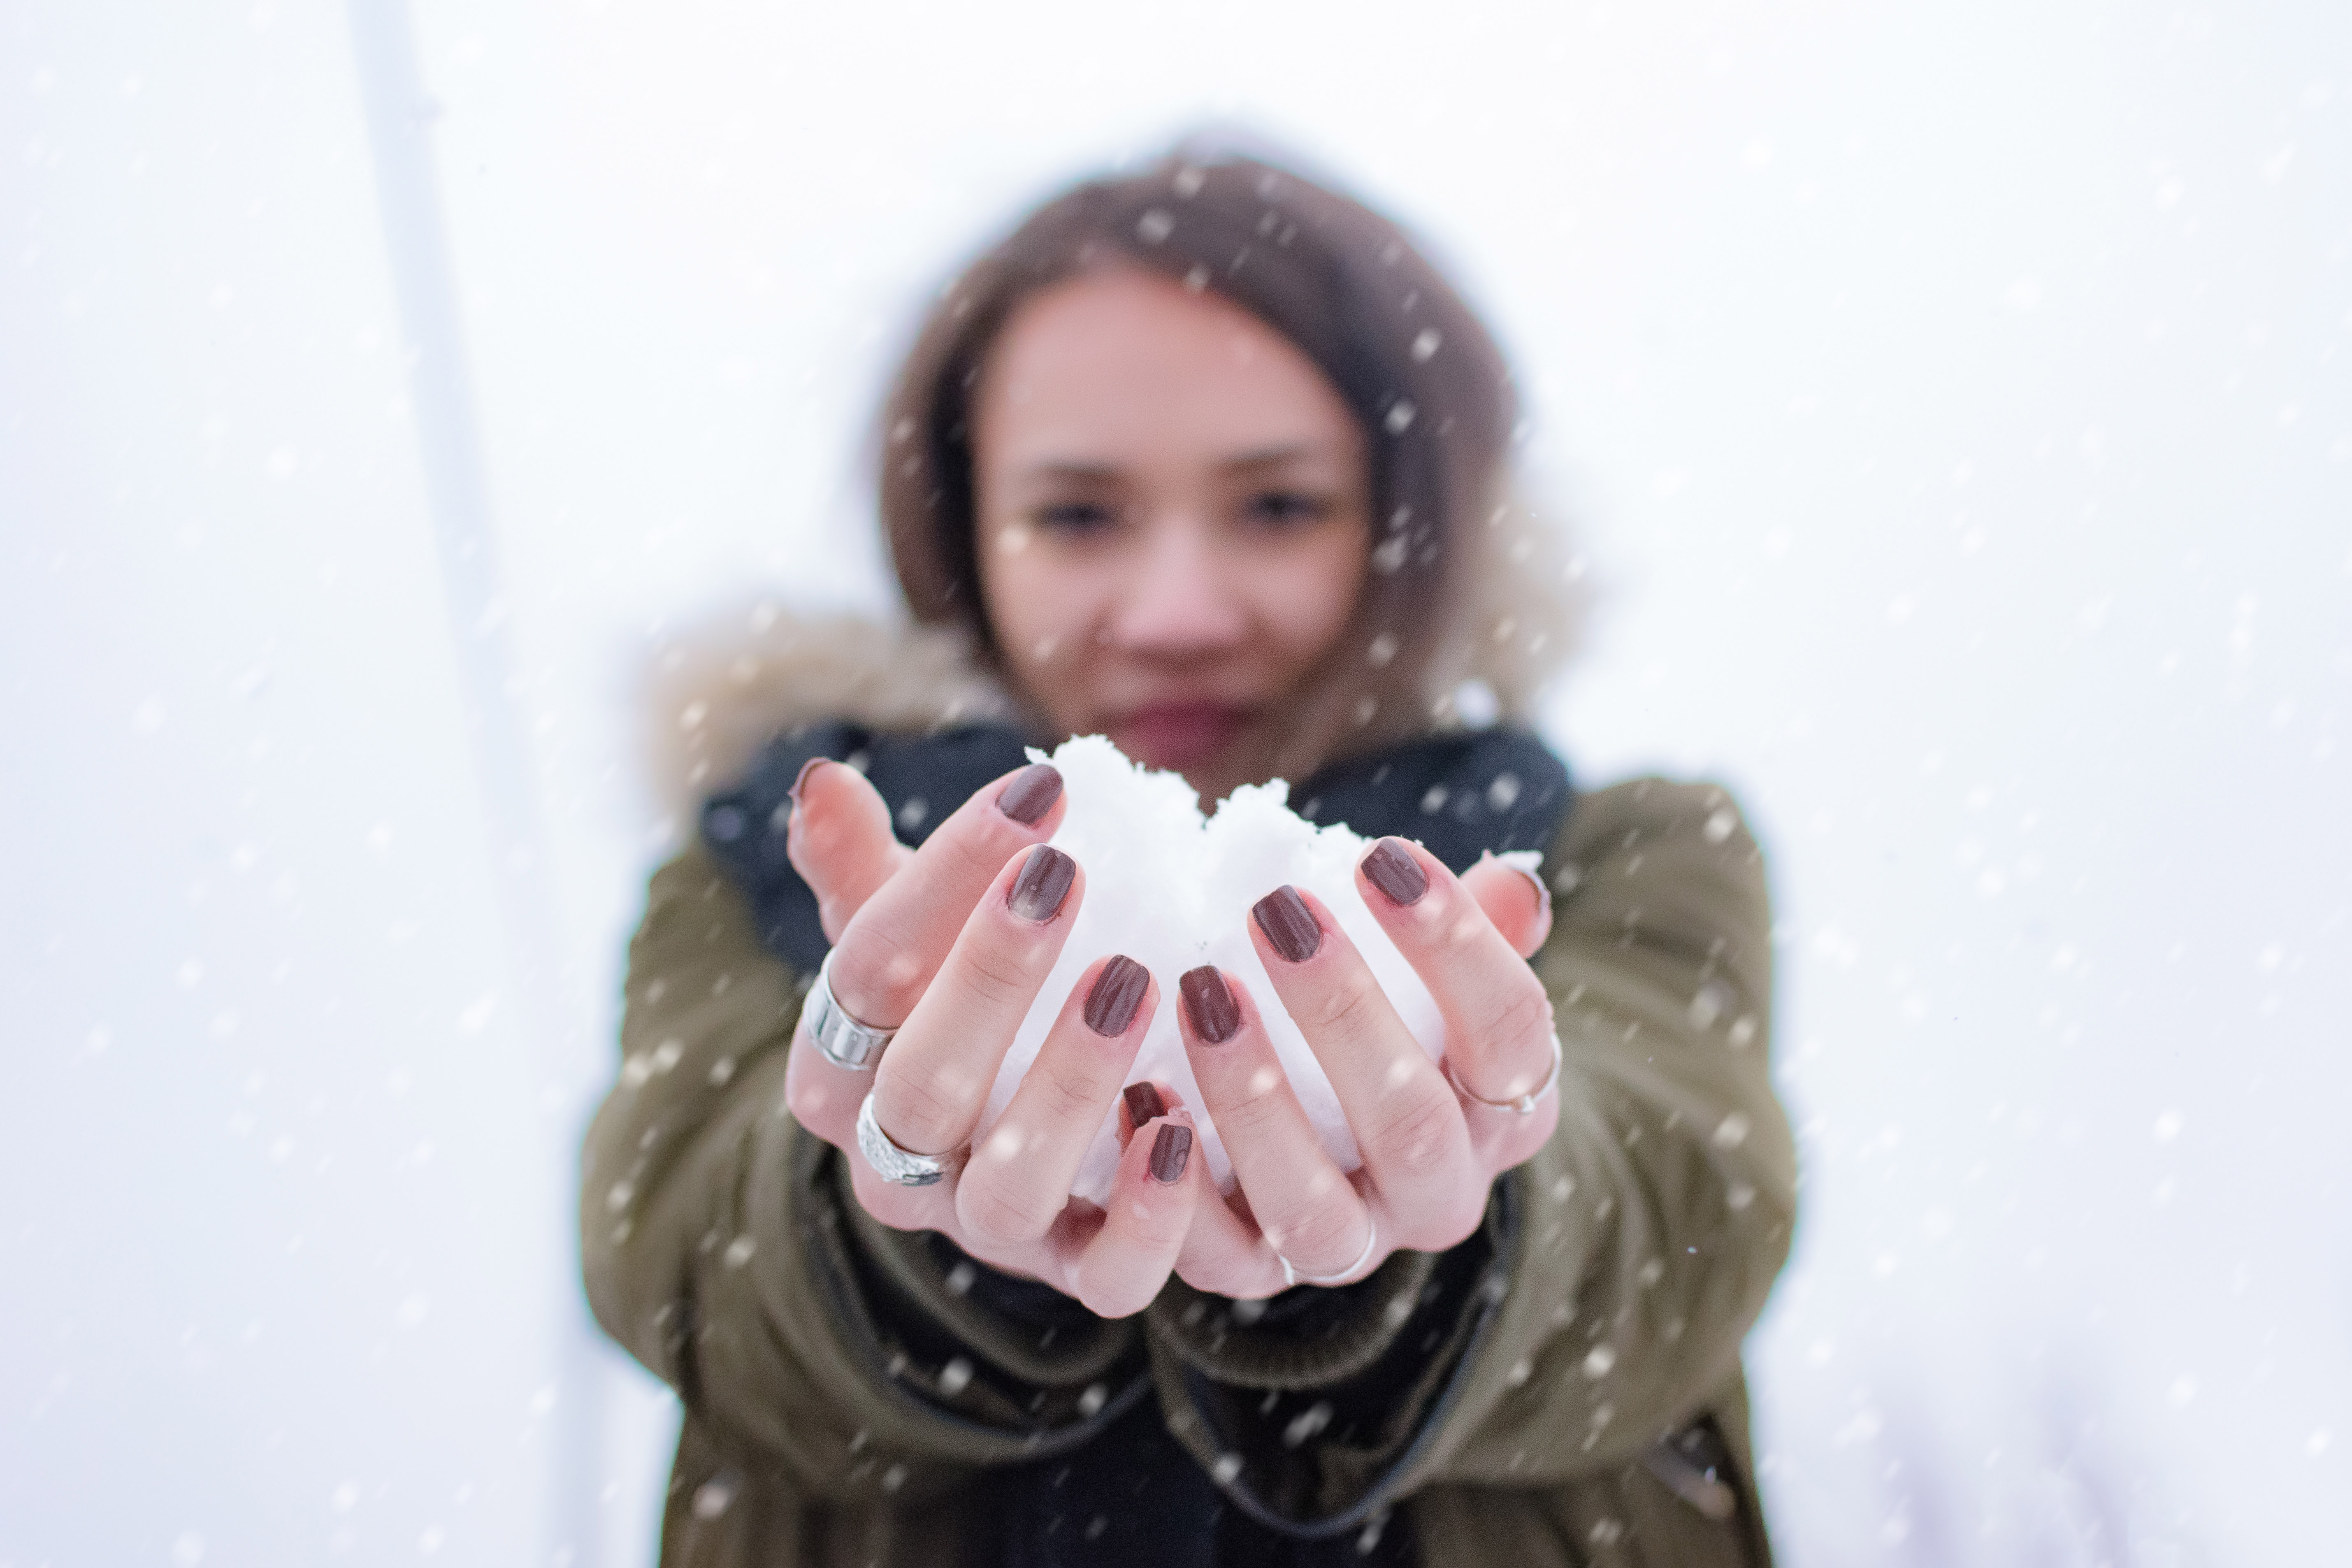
point(845, 1042)
point(901, 1167)
point(1345, 1276)
point(1524, 1104)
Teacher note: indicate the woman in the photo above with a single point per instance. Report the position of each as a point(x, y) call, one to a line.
point(1210, 459)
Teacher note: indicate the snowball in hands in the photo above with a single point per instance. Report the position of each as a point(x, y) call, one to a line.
point(1172, 892)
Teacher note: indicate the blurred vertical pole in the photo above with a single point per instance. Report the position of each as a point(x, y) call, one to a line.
point(398, 111)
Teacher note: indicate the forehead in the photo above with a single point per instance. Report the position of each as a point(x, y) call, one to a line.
point(1130, 368)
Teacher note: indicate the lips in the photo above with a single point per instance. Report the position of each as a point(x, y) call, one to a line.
point(1178, 735)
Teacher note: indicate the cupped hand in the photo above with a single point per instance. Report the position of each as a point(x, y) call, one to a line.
point(950, 944)
point(1433, 1139)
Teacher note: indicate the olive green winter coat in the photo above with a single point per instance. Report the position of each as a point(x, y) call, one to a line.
point(1627, 1259)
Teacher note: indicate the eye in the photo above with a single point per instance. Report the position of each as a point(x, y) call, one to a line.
point(1280, 509)
point(1075, 519)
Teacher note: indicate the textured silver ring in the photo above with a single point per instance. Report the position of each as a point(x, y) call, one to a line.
point(1345, 1276)
point(845, 1042)
point(1524, 1104)
point(901, 1167)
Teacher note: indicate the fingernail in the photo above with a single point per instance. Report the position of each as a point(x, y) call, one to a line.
point(1391, 868)
point(1116, 991)
point(1169, 1150)
point(1031, 793)
point(1209, 1003)
point(1144, 1105)
point(1543, 888)
point(1287, 922)
point(1040, 884)
point(801, 778)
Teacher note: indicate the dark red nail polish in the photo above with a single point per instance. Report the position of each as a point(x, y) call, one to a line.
point(1209, 1003)
point(1169, 1150)
point(1040, 884)
point(1144, 1105)
point(801, 777)
point(1391, 868)
point(1116, 991)
point(1031, 793)
point(1287, 922)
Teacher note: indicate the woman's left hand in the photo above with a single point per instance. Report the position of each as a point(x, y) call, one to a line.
point(1433, 1143)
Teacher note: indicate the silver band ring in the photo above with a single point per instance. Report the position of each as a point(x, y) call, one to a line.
point(901, 1167)
point(1524, 1104)
point(1345, 1276)
point(845, 1042)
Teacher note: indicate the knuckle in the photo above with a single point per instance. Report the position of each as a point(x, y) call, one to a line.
point(977, 847)
point(971, 847)
point(1065, 1097)
point(1001, 1212)
point(1352, 1006)
point(1524, 1015)
point(921, 1110)
point(1253, 1110)
point(995, 977)
point(1323, 1236)
point(876, 974)
point(1420, 1135)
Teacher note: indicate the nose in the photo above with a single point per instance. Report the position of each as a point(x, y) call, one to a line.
point(1183, 596)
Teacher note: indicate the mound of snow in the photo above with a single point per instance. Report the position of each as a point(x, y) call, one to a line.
point(1172, 890)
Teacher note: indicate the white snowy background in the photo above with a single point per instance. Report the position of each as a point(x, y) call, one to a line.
point(1950, 402)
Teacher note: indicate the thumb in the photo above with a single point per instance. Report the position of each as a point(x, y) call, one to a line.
point(840, 841)
point(1515, 901)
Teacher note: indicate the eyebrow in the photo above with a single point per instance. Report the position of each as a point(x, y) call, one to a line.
point(1269, 458)
point(1247, 462)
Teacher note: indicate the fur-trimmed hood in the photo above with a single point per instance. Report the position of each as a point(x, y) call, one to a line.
point(726, 682)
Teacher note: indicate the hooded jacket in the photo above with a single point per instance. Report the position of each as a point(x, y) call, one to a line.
point(1564, 1389)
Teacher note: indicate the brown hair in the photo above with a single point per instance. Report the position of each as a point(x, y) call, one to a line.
point(1422, 377)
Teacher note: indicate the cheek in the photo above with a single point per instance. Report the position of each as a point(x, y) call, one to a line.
point(1307, 605)
point(1038, 611)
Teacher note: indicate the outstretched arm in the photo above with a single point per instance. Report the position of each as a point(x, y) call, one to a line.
point(1603, 1302)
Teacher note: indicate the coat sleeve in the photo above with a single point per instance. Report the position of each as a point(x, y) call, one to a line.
point(1603, 1303)
point(722, 1249)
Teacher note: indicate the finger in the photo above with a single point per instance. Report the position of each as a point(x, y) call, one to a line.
point(839, 840)
point(1019, 1178)
point(1305, 1209)
point(820, 1093)
point(1226, 1254)
point(1144, 1102)
point(899, 1207)
point(838, 826)
point(1498, 1022)
point(1515, 901)
point(1407, 1119)
point(890, 948)
point(935, 1078)
point(1160, 1182)
point(1223, 1251)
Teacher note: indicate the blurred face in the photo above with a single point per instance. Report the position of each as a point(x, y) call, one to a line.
point(1173, 521)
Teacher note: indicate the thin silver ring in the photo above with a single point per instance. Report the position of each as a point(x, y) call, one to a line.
point(1345, 1276)
point(1524, 1104)
point(845, 1042)
point(901, 1167)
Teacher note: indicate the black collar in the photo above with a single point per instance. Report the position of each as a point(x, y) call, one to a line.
point(1460, 795)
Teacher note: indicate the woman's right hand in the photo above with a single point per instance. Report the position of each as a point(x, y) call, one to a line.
point(951, 943)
